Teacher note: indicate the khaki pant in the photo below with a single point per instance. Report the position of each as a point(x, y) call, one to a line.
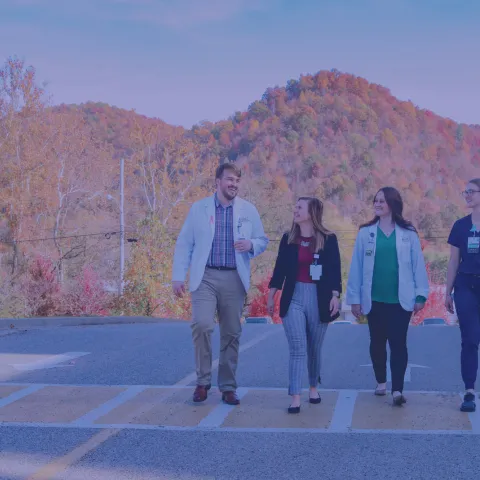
point(223, 292)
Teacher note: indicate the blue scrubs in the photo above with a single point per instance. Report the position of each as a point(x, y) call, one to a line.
point(467, 295)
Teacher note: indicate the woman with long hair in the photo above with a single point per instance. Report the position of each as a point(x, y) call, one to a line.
point(387, 282)
point(308, 270)
point(463, 277)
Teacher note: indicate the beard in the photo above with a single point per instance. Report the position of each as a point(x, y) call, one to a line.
point(229, 194)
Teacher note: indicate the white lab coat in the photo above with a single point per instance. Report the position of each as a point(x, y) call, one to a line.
point(195, 240)
point(413, 278)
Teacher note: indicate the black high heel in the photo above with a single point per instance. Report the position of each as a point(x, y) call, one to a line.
point(294, 409)
point(315, 400)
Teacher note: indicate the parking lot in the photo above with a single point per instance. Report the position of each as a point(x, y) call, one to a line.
point(115, 402)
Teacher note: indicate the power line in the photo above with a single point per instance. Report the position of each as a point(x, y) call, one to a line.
point(110, 233)
point(62, 237)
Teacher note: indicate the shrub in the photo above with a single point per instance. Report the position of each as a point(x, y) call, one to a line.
point(258, 304)
point(41, 288)
point(435, 305)
point(87, 297)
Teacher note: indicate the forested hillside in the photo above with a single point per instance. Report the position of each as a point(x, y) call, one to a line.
point(340, 137)
point(333, 135)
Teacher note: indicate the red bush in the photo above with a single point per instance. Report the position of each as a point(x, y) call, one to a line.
point(46, 297)
point(435, 305)
point(86, 298)
point(258, 305)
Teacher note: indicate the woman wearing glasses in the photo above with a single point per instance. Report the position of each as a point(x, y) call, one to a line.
point(463, 276)
point(387, 282)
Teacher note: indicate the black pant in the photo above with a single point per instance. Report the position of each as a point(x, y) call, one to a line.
point(467, 304)
point(389, 321)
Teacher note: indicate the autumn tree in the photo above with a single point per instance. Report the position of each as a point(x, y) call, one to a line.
point(171, 172)
point(331, 134)
point(22, 146)
point(72, 184)
point(172, 175)
point(148, 290)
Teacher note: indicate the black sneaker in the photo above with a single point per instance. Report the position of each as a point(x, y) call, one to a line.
point(468, 404)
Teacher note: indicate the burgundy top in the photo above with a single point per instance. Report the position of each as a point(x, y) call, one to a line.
point(305, 259)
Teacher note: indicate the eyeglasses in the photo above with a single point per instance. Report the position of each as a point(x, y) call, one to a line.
point(469, 192)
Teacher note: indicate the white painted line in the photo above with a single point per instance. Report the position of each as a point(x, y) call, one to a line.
point(130, 426)
point(407, 431)
point(51, 362)
point(218, 415)
point(193, 376)
point(343, 412)
point(20, 394)
point(408, 372)
point(255, 387)
point(474, 418)
point(92, 385)
point(475, 421)
point(108, 406)
point(104, 435)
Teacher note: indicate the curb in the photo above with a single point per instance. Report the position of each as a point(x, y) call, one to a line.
point(15, 324)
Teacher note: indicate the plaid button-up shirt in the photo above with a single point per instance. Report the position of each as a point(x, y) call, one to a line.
point(223, 253)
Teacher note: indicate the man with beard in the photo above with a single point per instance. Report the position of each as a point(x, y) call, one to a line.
point(219, 237)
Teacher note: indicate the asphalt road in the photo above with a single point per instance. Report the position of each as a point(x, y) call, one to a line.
point(162, 355)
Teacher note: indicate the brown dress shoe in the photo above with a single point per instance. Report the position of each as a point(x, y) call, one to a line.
point(201, 392)
point(230, 398)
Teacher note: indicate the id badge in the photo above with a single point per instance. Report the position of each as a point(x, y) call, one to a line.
point(315, 272)
point(473, 244)
point(244, 229)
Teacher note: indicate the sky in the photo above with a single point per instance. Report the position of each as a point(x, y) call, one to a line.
point(185, 61)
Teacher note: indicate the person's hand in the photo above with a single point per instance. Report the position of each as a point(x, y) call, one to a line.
point(270, 305)
point(178, 288)
point(418, 307)
point(243, 246)
point(449, 304)
point(334, 305)
point(357, 310)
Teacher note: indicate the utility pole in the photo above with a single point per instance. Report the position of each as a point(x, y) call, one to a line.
point(122, 225)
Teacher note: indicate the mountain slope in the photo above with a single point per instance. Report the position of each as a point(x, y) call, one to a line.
point(340, 137)
point(331, 134)
point(114, 126)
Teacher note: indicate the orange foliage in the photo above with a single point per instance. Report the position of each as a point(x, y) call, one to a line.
point(330, 134)
point(434, 307)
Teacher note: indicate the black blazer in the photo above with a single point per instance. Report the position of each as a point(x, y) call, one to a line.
point(285, 275)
